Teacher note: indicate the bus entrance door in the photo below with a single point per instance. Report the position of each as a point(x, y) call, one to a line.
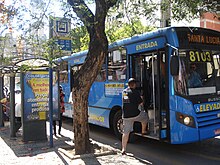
point(151, 84)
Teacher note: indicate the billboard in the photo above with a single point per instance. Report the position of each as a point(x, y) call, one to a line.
point(36, 95)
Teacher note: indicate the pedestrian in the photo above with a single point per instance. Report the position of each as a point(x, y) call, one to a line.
point(62, 109)
point(5, 102)
point(131, 113)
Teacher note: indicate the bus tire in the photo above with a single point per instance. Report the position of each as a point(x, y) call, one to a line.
point(118, 127)
point(118, 124)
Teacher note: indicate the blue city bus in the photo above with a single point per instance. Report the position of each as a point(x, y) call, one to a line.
point(166, 64)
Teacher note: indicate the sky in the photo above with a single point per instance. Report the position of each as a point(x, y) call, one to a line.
point(59, 13)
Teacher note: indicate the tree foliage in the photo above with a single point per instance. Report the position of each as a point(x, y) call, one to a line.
point(28, 20)
point(192, 9)
point(148, 9)
point(136, 9)
point(80, 39)
point(126, 18)
point(116, 32)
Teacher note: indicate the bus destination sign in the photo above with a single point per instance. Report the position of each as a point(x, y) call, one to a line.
point(203, 39)
point(198, 37)
point(207, 107)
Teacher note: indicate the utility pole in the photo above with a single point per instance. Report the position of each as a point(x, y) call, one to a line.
point(165, 13)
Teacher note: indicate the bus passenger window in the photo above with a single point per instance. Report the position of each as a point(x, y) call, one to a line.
point(64, 72)
point(76, 68)
point(117, 65)
point(63, 77)
point(101, 75)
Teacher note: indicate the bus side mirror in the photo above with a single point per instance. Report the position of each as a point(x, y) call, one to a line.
point(174, 65)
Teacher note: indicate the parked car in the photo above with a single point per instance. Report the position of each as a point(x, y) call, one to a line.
point(18, 102)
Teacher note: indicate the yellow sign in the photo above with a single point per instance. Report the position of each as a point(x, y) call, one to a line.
point(114, 85)
point(114, 89)
point(198, 56)
point(207, 107)
point(97, 118)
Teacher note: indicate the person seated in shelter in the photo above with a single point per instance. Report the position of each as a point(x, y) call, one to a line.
point(194, 79)
point(6, 108)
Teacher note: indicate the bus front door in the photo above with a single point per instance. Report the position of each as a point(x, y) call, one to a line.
point(151, 83)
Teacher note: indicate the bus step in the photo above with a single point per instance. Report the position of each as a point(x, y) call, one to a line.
point(151, 135)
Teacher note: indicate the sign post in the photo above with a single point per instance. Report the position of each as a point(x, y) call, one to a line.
point(51, 103)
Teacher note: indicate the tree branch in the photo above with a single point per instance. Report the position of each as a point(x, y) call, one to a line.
point(82, 11)
point(111, 3)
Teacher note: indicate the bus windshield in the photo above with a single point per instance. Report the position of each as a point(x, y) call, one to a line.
point(198, 73)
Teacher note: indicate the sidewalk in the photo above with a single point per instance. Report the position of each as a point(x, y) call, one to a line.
point(14, 151)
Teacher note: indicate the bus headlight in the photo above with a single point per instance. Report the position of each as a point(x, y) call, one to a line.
point(185, 119)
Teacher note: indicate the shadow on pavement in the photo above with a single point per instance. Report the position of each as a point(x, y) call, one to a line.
point(32, 148)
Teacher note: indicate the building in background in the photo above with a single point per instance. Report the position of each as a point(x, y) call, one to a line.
point(210, 21)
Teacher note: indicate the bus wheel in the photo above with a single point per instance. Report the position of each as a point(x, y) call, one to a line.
point(118, 124)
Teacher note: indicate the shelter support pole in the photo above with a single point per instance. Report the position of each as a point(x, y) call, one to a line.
point(51, 103)
point(1, 97)
point(12, 105)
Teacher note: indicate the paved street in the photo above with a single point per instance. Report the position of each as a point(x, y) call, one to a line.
point(143, 151)
point(157, 153)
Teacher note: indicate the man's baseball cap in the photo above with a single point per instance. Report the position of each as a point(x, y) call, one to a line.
point(131, 80)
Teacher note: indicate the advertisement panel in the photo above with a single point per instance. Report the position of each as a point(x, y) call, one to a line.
point(36, 96)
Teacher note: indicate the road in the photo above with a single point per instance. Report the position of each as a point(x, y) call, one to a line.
point(160, 153)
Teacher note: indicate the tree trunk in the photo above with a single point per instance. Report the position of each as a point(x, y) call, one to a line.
point(82, 83)
point(80, 123)
point(83, 79)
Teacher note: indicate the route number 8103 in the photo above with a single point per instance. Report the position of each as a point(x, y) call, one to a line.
point(197, 56)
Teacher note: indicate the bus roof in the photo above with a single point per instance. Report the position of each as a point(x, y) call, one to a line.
point(119, 43)
point(148, 35)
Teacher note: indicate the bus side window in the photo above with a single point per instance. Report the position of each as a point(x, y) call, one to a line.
point(117, 65)
point(101, 75)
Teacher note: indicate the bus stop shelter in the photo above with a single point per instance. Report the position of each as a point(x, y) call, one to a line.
point(35, 68)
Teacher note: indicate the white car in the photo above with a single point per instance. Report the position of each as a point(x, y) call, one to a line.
point(17, 107)
point(17, 100)
point(17, 103)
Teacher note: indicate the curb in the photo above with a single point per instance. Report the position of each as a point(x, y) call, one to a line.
point(105, 150)
point(74, 157)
